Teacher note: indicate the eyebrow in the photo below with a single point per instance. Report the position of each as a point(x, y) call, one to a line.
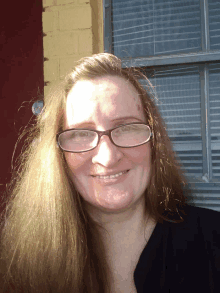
point(88, 123)
point(127, 118)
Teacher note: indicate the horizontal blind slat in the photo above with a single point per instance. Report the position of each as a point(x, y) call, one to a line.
point(147, 28)
point(214, 24)
point(182, 113)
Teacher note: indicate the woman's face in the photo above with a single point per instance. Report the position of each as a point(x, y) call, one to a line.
point(102, 104)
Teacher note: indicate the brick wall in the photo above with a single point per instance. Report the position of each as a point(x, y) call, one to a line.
point(72, 29)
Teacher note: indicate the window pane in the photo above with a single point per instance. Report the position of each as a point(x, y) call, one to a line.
point(154, 27)
point(179, 102)
point(214, 24)
point(214, 105)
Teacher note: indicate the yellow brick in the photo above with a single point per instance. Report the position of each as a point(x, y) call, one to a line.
point(93, 3)
point(49, 89)
point(51, 70)
point(77, 18)
point(60, 44)
point(47, 3)
point(97, 25)
point(48, 21)
point(48, 46)
point(46, 91)
point(83, 1)
point(95, 46)
point(85, 42)
point(60, 2)
point(67, 64)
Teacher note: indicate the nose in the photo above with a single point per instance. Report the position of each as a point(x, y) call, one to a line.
point(106, 153)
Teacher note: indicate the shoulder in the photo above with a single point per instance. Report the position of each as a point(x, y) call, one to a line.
point(202, 212)
point(187, 254)
point(207, 222)
point(199, 217)
point(202, 218)
point(200, 226)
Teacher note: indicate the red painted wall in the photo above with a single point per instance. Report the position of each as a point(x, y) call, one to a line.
point(21, 73)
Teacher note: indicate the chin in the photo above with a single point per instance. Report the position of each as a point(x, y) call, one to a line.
point(114, 201)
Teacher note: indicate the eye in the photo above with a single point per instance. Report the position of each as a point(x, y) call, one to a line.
point(129, 127)
point(83, 133)
point(75, 135)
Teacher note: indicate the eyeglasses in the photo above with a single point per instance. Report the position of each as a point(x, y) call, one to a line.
point(77, 140)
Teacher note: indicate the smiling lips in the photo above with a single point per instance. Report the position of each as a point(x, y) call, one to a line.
point(110, 176)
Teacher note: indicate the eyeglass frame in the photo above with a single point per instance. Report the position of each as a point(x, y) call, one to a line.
point(100, 134)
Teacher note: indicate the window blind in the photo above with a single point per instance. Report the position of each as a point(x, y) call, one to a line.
point(206, 195)
point(214, 101)
point(214, 24)
point(153, 27)
point(178, 96)
point(178, 91)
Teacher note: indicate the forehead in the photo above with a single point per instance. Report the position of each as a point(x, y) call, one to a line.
point(102, 98)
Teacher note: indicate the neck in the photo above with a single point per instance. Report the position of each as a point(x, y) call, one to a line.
point(124, 237)
point(129, 223)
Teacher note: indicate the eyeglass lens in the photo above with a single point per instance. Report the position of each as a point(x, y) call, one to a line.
point(130, 135)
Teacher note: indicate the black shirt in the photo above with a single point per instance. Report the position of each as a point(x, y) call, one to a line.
point(182, 257)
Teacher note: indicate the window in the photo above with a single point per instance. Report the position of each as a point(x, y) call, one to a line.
point(178, 44)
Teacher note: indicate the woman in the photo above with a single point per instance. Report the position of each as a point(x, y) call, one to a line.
point(97, 203)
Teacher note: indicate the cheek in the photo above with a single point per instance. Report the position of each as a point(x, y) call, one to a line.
point(76, 162)
point(141, 155)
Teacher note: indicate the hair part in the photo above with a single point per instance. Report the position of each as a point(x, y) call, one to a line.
point(49, 243)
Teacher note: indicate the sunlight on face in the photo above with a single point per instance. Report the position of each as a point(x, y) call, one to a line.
point(108, 177)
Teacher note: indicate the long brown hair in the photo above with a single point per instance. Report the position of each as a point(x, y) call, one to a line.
point(49, 243)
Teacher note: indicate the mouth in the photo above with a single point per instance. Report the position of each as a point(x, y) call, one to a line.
point(111, 176)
